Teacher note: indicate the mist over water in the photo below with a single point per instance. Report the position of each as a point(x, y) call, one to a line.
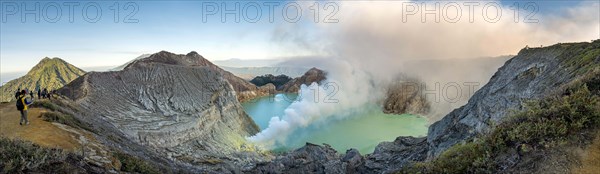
point(263, 109)
point(363, 129)
point(344, 93)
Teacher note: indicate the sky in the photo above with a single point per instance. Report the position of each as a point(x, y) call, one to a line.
point(143, 27)
point(161, 25)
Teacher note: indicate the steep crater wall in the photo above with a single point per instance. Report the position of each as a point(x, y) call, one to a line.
point(182, 111)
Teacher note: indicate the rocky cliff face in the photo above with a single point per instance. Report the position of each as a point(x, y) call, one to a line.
point(244, 89)
point(532, 74)
point(48, 73)
point(313, 158)
point(312, 75)
point(405, 97)
point(277, 81)
point(179, 105)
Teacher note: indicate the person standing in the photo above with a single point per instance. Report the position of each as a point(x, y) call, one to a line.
point(22, 103)
point(30, 94)
point(44, 93)
point(17, 93)
point(39, 93)
point(50, 94)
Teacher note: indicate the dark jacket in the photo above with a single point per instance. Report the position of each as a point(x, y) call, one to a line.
point(22, 102)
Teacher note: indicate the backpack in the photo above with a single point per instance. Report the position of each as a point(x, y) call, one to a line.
point(20, 104)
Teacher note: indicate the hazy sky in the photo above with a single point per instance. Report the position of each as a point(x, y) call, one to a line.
point(179, 26)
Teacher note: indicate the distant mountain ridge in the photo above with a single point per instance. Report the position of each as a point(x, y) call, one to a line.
point(245, 69)
point(249, 73)
point(235, 62)
point(121, 67)
point(311, 76)
point(244, 89)
point(50, 73)
point(277, 81)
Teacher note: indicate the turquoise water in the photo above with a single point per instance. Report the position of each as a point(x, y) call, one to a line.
point(363, 130)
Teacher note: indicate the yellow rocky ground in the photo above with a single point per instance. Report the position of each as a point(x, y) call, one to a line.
point(53, 135)
point(590, 162)
point(38, 131)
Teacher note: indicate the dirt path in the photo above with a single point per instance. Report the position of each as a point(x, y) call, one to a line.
point(590, 162)
point(38, 131)
point(53, 135)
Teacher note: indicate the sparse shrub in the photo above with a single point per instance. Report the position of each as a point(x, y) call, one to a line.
point(415, 167)
point(53, 117)
point(545, 123)
point(581, 56)
point(65, 119)
point(44, 104)
point(471, 157)
point(59, 115)
point(17, 156)
point(549, 120)
point(130, 163)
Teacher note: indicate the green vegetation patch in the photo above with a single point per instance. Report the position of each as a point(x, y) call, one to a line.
point(44, 104)
point(131, 163)
point(544, 124)
point(61, 118)
point(58, 115)
point(549, 120)
point(17, 156)
point(581, 56)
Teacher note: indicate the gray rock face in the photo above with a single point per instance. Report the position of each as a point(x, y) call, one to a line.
point(244, 89)
point(389, 157)
point(392, 156)
point(354, 161)
point(311, 158)
point(406, 97)
point(312, 75)
point(532, 74)
point(166, 102)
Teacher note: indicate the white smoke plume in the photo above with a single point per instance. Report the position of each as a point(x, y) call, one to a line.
point(339, 96)
point(372, 44)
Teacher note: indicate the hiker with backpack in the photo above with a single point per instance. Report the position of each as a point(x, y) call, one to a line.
point(22, 103)
point(17, 93)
